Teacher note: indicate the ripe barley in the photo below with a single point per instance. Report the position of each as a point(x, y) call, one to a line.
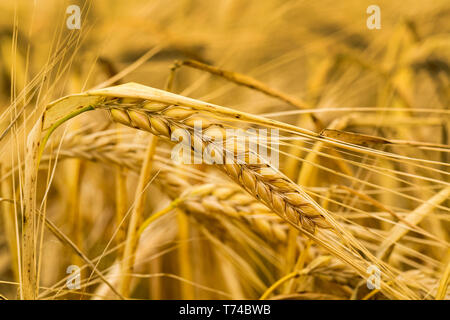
point(263, 182)
point(161, 113)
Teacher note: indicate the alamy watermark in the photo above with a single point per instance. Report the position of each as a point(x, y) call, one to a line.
point(374, 279)
point(225, 146)
point(74, 20)
point(74, 279)
point(374, 20)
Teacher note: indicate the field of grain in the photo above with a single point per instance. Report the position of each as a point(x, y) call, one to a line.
point(348, 100)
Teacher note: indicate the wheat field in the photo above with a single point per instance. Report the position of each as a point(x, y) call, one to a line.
point(314, 142)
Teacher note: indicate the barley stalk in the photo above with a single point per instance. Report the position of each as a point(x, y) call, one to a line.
point(266, 184)
point(136, 216)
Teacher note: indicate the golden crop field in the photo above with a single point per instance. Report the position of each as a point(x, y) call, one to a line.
point(224, 149)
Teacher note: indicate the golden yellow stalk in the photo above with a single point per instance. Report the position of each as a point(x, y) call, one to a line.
point(136, 216)
point(29, 288)
point(10, 227)
point(184, 258)
point(413, 218)
point(445, 279)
